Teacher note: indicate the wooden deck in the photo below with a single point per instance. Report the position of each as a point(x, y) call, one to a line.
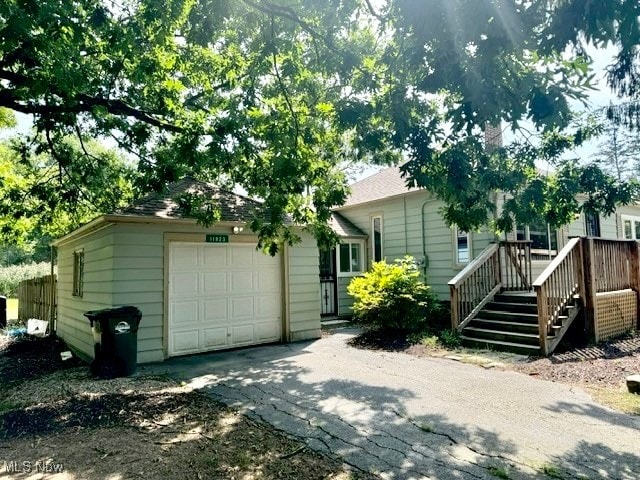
point(494, 304)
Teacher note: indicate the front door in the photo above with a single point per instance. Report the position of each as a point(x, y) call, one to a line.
point(328, 287)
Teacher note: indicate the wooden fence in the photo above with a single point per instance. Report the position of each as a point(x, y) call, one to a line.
point(37, 299)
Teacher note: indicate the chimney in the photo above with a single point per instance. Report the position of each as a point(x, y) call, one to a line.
point(492, 136)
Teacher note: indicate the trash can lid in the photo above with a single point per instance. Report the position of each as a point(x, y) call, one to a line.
point(126, 311)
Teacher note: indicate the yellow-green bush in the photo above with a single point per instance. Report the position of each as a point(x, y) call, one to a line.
point(392, 296)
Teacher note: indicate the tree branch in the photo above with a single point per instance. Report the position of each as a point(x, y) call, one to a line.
point(81, 104)
point(284, 89)
point(286, 12)
point(373, 12)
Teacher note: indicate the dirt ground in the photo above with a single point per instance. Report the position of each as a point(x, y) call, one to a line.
point(57, 422)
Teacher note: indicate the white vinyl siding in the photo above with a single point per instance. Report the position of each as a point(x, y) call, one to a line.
point(402, 235)
point(303, 262)
point(138, 278)
point(72, 326)
point(124, 265)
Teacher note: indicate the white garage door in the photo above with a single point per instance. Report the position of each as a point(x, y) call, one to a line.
point(222, 296)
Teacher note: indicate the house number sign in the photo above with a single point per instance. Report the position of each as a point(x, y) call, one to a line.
point(217, 238)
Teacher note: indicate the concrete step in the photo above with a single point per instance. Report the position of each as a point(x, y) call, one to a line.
point(501, 345)
point(500, 325)
point(334, 323)
point(502, 336)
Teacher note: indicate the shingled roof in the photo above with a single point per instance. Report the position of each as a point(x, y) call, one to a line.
point(233, 207)
point(384, 184)
point(343, 227)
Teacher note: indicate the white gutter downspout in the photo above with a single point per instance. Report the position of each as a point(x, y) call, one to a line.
point(425, 261)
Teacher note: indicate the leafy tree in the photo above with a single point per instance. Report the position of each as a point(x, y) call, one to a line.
point(275, 95)
point(618, 152)
point(459, 65)
point(41, 199)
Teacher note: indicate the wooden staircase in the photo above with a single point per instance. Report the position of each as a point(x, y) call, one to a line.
point(495, 304)
point(510, 323)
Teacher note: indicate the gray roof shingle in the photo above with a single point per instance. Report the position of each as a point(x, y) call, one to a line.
point(384, 184)
point(343, 227)
point(233, 207)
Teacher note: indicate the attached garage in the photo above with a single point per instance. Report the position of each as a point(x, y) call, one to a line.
point(199, 289)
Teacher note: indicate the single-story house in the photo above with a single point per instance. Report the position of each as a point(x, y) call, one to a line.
point(198, 288)
point(202, 289)
point(383, 219)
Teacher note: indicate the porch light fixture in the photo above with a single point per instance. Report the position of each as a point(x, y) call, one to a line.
point(237, 230)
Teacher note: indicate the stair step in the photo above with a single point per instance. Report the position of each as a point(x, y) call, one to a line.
point(504, 326)
point(501, 345)
point(506, 297)
point(513, 307)
point(509, 316)
point(515, 337)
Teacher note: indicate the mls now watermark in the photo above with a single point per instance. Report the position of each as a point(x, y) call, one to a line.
point(33, 467)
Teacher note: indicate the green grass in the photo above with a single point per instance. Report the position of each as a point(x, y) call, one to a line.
point(499, 472)
point(551, 471)
point(12, 308)
point(618, 399)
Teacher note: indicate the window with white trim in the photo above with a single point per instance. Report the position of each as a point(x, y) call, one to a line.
point(78, 273)
point(544, 240)
point(630, 227)
point(462, 247)
point(376, 238)
point(592, 224)
point(350, 259)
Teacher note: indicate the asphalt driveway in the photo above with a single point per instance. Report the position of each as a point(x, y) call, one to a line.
point(403, 417)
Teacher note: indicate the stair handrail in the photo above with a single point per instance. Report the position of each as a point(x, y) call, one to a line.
point(556, 286)
point(475, 286)
point(517, 271)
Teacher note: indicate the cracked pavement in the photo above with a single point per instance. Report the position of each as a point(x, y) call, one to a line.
point(402, 417)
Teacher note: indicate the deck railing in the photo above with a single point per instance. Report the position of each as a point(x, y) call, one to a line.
point(555, 287)
point(610, 261)
point(573, 281)
point(516, 265)
point(475, 286)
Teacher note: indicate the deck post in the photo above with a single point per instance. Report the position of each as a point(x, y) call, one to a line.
point(634, 260)
point(543, 317)
point(591, 314)
point(455, 314)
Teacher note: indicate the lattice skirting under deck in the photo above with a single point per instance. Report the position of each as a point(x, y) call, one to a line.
point(617, 313)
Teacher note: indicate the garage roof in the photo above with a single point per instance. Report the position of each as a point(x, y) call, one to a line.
point(233, 207)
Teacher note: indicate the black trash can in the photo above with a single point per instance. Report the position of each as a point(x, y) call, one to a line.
point(115, 341)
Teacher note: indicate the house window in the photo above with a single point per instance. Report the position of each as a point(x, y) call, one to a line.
point(462, 243)
point(350, 258)
point(376, 236)
point(544, 240)
point(631, 227)
point(592, 224)
point(78, 272)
